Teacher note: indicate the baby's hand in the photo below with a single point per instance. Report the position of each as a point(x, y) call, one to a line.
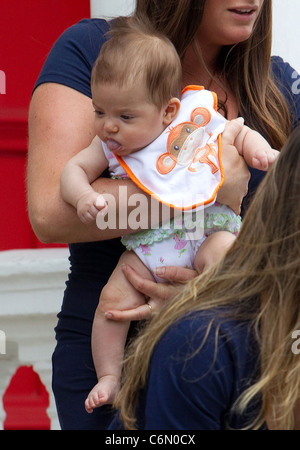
point(89, 205)
point(263, 159)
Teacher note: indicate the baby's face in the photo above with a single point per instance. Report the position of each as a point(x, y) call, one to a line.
point(124, 117)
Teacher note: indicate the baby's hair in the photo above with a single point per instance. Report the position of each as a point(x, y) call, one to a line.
point(134, 52)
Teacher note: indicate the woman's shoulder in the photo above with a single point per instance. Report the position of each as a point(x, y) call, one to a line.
point(84, 38)
point(288, 81)
point(282, 69)
point(200, 365)
point(286, 76)
point(209, 328)
point(86, 30)
point(225, 343)
point(72, 56)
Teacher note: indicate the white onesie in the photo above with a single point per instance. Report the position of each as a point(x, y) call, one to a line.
point(182, 168)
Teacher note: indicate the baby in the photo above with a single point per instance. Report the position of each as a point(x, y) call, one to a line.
point(136, 94)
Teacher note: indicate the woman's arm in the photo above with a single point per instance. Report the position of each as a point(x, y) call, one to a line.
point(61, 123)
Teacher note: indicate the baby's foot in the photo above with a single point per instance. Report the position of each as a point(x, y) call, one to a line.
point(103, 393)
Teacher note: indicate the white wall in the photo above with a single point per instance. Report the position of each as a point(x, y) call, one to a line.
point(31, 290)
point(111, 8)
point(286, 31)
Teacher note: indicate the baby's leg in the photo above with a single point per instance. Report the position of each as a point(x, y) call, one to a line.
point(212, 249)
point(109, 337)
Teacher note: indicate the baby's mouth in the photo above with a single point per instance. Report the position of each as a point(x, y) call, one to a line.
point(113, 145)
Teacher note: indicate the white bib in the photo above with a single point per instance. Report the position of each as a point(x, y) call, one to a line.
point(182, 167)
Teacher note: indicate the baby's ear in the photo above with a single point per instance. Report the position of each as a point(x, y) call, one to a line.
point(171, 110)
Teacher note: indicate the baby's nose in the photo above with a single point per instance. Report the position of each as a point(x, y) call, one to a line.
point(111, 126)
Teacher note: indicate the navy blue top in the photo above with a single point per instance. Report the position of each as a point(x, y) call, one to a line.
point(195, 390)
point(200, 391)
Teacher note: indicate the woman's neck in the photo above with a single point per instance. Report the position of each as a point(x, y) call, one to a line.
point(202, 70)
point(196, 71)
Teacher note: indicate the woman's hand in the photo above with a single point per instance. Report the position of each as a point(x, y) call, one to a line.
point(157, 294)
point(236, 172)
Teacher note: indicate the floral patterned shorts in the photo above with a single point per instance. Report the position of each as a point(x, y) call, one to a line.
point(177, 242)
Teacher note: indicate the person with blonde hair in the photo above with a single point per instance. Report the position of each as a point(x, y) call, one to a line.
point(221, 355)
point(220, 47)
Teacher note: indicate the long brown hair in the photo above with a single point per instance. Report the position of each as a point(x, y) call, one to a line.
point(257, 280)
point(245, 66)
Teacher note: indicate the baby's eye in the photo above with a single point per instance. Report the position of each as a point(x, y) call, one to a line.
point(98, 113)
point(126, 117)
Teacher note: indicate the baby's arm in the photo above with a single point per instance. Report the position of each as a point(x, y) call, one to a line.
point(78, 174)
point(255, 149)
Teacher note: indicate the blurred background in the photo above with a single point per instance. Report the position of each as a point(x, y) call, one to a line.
point(32, 275)
point(28, 30)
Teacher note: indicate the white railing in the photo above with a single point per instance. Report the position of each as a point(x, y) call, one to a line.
point(31, 290)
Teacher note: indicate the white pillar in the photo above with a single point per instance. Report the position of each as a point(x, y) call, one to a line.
point(286, 31)
point(31, 291)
